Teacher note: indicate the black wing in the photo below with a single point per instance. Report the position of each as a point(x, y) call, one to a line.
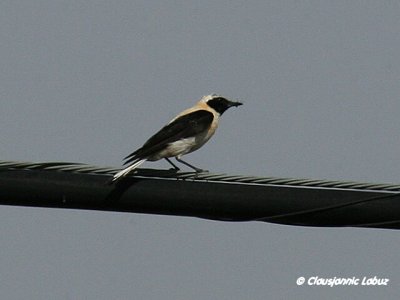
point(183, 127)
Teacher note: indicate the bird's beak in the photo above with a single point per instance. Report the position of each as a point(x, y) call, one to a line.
point(234, 103)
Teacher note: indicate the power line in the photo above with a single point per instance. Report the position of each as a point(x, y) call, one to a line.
point(222, 197)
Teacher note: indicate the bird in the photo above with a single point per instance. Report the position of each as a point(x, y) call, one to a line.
point(185, 133)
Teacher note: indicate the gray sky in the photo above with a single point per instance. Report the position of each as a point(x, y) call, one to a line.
point(90, 81)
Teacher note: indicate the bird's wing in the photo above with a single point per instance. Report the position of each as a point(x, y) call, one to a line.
point(185, 126)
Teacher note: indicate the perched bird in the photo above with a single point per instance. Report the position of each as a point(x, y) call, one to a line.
point(187, 132)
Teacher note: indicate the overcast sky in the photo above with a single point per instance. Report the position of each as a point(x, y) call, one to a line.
point(90, 81)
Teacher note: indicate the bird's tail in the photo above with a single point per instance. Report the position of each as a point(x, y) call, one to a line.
point(121, 174)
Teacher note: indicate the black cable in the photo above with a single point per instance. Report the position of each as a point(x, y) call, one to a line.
point(212, 196)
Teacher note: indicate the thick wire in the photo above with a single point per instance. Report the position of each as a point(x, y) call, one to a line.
point(203, 176)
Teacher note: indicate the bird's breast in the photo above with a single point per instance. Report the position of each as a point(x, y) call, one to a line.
point(187, 145)
point(203, 137)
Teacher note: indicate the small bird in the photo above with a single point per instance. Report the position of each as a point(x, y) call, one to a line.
point(187, 132)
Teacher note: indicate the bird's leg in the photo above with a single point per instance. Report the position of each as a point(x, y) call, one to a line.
point(172, 164)
point(189, 165)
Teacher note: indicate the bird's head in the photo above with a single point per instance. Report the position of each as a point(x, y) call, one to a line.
point(218, 103)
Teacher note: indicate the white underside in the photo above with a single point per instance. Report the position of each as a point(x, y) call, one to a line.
point(175, 149)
